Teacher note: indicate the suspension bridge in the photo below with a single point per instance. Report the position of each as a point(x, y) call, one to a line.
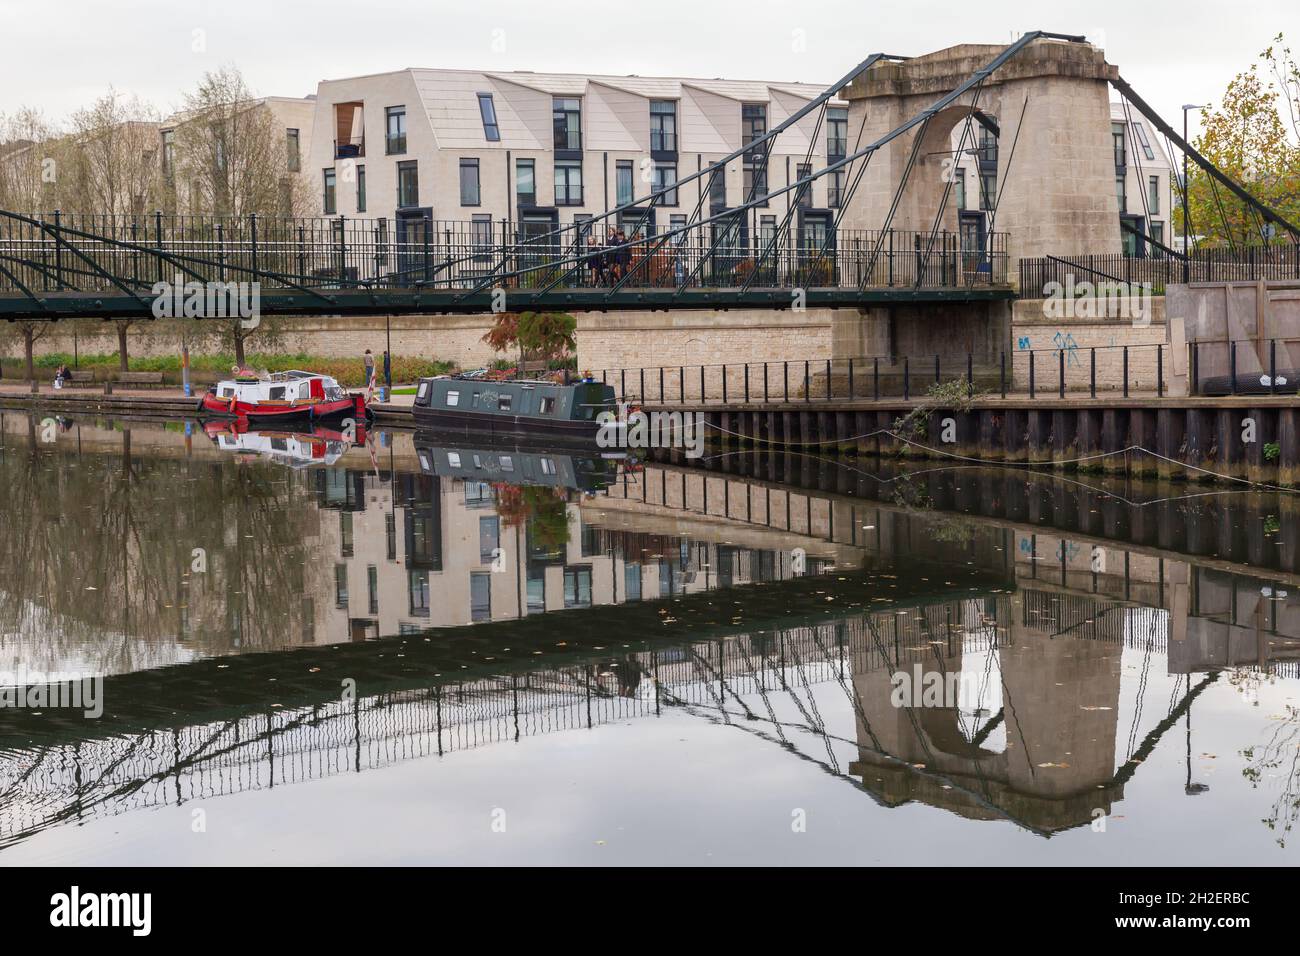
point(892, 238)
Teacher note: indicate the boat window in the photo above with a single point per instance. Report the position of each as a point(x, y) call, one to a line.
point(473, 400)
point(548, 406)
point(277, 392)
point(227, 392)
point(503, 403)
point(424, 390)
point(507, 463)
point(453, 398)
point(453, 459)
point(548, 466)
point(280, 444)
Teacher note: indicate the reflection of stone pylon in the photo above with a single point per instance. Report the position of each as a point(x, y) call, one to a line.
point(1059, 707)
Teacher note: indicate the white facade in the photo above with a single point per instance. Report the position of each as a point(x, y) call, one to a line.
point(624, 132)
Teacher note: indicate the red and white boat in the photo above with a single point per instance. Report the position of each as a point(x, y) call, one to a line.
point(283, 396)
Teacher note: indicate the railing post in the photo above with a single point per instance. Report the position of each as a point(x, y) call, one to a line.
point(1092, 372)
point(765, 395)
point(807, 382)
point(681, 382)
point(850, 378)
point(785, 378)
point(1160, 371)
point(1272, 366)
point(1232, 364)
point(1031, 373)
point(703, 396)
point(875, 378)
point(58, 250)
point(724, 383)
point(661, 384)
point(252, 232)
point(622, 383)
point(1126, 371)
point(746, 383)
point(641, 390)
point(302, 252)
point(828, 380)
point(158, 243)
point(1195, 364)
point(1060, 385)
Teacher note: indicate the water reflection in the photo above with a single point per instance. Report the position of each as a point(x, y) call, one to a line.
point(603, 590)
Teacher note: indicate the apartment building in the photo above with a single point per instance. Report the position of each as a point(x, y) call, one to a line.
point(291, 120)
point(550, 149)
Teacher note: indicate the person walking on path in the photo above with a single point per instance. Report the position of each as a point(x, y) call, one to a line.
point(370, 369)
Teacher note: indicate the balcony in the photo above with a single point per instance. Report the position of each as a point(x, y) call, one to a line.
point(350, 148)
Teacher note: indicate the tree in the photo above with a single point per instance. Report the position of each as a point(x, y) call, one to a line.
point(27, 331)
point(28, 167)
point(1246, 138)
point(114, 158)
point(229, 154)
point(548, 335)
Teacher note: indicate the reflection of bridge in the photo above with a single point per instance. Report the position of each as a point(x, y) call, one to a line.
point(892, 236)
point(793, 686)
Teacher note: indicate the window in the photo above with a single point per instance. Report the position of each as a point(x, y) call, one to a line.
point(665, 176)
point(168, 152)
point(753, 125)
point(577, 587)
point(489, 537)
point(959, 183)
point(395, 130)
point(676, 222)
point(331, 202)
point(361, 189)
point(417, 592)
point(453, 399)
point(345, 534)
point(1153, 194)
point(547, 406)
point(718, 189)
point(835, 189)
point(408, 184)
point(766, 231)
point(480, 235)
point(536, 589)
point(623, 182)
point(663, 126)
point(1141, 134)
point(1117, 141)
point(291, 140)
point(340, 585)
point(469, 187)
point(487, 109)
point(988, 191)
point(503, 403)
point(1121, 194)
point(805, 191)
point(372, 579)
point(632, 582)
point(566, 112)
point(1158, 235)
point(526, 182)
point(568, 183)
point(480, 597)
point(837, 133)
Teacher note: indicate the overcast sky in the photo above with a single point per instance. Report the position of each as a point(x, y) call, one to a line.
point(60, 54)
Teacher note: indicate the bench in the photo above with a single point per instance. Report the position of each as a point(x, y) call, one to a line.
point(80, 378)
point(139, 379)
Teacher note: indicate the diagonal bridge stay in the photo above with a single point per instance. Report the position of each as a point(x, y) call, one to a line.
point(878, 240)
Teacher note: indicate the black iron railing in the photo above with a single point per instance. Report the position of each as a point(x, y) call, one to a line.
point(66, 252)
point(1049, 276)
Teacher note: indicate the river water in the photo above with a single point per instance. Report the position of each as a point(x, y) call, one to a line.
point(407, 648)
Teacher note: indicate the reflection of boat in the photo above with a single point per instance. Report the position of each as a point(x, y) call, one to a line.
point(515, 465)
point(544, 409)
point(283, 396)
point(297, 448)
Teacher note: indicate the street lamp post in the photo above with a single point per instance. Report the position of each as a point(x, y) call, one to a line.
point(1187, 232)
